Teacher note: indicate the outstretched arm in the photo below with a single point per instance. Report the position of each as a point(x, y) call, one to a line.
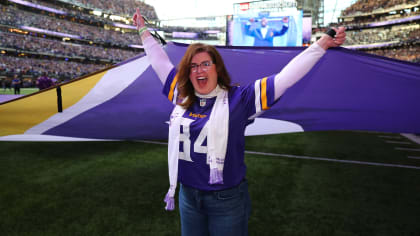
point(155, 53)
point(247, 28)
point(303, 63)
point(283, 29)
point(280, 32)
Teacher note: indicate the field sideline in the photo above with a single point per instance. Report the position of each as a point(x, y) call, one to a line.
point(117, 188)
point(23, 91)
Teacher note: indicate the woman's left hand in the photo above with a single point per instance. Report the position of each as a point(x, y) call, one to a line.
point(327, 41)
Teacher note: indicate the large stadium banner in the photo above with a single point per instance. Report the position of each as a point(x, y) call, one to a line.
point(265, 23)
point(345, 90)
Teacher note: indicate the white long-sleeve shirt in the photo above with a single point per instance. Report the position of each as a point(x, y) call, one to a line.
point(288, 76)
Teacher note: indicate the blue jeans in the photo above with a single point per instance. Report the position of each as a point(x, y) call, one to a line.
point(224, 212)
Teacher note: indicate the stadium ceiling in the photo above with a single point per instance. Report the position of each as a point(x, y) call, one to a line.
point(323, 12)
point(313, 8)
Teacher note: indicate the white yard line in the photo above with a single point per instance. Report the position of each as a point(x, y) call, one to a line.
point(390, 137)
point(414, 157)
point(152, 142)
point(407, 149)
point(397, 142)
point(311, 158)
point(334, 160)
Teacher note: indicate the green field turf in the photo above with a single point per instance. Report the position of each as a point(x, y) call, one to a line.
point(23, 91)
point(117, 188)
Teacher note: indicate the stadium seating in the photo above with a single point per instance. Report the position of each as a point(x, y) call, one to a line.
point(389, 28)
point(370, 6)
point(16, 17)
point(121, 7)
point(63, 70)
point(41, 45)
point(92, 43)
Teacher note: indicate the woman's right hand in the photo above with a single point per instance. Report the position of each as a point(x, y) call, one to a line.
point(138, 19)
point(139, 23)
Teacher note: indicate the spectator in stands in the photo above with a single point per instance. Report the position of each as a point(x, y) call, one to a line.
point(213, 198)
point(44, 82)
point(16, 83)
point(3, 84)
point(7, 84)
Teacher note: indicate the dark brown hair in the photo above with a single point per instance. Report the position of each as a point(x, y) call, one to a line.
point(185, 87)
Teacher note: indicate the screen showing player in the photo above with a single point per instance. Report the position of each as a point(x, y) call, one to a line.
point(265, 29)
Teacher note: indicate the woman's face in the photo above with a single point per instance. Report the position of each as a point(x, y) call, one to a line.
point(203, 74)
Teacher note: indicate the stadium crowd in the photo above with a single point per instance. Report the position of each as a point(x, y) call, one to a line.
point(29, 59)
point(405, 53)
point(16, 17)
point(70, 11)
point(62, 70)
point(121, 7)
point(364, 22)
point(368, 6)
point(399, 33)
point(69, 8)
point(391, 25)
point(41, 45)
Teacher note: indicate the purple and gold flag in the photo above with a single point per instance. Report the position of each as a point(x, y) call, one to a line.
point(345, 90)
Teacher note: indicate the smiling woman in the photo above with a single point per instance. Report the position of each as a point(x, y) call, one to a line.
point(206, 132)
point(200, 71)
point(202, 74)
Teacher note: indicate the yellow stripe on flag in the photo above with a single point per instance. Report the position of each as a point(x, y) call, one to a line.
point(18, 116)
point(171, 90)
point(264, 94)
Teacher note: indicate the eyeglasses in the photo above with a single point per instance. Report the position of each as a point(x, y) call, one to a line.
point(205, 66)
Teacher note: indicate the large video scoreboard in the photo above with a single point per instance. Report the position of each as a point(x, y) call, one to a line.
point(265, 23)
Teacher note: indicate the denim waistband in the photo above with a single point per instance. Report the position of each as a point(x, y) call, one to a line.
point(242, 186)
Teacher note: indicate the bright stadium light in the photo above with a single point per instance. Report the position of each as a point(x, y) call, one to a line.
point(97, 13)
point(115, 17)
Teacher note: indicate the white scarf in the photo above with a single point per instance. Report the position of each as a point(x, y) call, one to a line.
point(217, 137)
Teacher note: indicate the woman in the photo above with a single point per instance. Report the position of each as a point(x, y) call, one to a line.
point(207, 125)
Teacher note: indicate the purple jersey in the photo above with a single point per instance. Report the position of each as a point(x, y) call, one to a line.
point(245, 103)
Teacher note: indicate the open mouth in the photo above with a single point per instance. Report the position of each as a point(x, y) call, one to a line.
point(202, 81)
